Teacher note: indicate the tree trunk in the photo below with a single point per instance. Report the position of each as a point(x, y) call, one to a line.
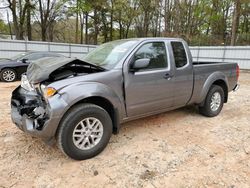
point(145, 25)
point(120, 30)
point(120, 25)
point(18, 23)
point(51, 31)
point(81, 27)
point(166, 17)
point(44, 14)
point(235, 24)
point(28, 18)
point(96, 27)
point(44, 37)
point(77, 22)
point(105, 26)
point(43, 29)
point(127, 29)
point(86, 28)
point(111, 21)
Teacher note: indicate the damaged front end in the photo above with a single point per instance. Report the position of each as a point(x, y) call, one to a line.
point(34, 114)
point(31, 106)
point(31, 113)
point(37, 108)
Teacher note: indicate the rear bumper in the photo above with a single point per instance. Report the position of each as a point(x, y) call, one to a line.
point(236, 87)
point(34, 116)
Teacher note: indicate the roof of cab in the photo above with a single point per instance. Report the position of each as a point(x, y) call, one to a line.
point(152, 38)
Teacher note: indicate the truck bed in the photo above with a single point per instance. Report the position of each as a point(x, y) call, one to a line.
point(204, 70)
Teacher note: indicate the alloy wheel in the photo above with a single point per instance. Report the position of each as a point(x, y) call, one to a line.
point(87, 133)
point(9, 75)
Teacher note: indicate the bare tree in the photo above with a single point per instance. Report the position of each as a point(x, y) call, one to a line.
point(235, 24)
point(18, 10)
point(111, 18)
point(48, 12)
point(77, 21)
point(30, 7)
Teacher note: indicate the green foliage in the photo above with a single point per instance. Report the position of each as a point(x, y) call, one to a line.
point(4, 29)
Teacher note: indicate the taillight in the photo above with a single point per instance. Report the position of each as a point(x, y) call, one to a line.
point(237, 72)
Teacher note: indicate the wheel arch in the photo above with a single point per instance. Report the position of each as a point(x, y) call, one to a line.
point(106, 105)
point(217, 78)
point(103, 103)
point(224, 86)
point(12, 68)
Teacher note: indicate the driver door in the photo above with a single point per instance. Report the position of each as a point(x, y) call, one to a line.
point(150, 89)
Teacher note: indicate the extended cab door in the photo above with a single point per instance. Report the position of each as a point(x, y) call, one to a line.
point(150, 89)
point(183, 72)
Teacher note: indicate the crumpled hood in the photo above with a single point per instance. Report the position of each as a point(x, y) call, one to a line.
point(40, 70)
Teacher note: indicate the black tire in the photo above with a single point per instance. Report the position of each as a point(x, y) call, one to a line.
point(70, 122)
point(206, 109)
point(5, 71)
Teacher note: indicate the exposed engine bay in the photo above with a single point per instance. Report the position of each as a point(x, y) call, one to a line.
point(75, 68)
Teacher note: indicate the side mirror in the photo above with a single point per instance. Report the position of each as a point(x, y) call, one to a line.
point(140, 64)
point(24, 61)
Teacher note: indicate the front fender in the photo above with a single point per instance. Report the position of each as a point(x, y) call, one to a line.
point(208, 83)
point(74, 93)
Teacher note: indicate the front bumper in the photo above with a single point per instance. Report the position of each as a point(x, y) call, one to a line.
point(33, 115)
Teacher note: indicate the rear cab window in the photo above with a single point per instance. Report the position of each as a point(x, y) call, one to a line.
point(179, 53)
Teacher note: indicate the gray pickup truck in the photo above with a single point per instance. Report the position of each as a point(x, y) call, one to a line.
point(80, 103)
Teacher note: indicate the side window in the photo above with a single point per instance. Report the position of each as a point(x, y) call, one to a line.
point(179, 54)
point(156, 52)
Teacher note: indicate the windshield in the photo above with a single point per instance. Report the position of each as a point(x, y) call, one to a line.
point(109, 54)
point(19, 56)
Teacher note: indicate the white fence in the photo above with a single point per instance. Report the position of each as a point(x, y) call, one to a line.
point(10, 48)
point(239, 54)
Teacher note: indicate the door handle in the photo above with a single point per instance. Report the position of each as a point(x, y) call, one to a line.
point(167, 76)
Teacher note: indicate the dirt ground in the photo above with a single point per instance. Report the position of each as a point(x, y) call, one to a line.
point(175, 149)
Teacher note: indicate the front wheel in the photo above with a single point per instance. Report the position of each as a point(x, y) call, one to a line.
point(84, 132)
point(214, 102)
point(8, 75)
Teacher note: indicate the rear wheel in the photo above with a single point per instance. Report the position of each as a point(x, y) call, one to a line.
point(8, 75)
point(84, 132)
point(214, 102)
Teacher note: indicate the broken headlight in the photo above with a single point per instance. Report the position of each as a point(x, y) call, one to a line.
point(25, 83)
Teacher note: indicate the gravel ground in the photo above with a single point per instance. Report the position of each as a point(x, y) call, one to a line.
point(175, 149)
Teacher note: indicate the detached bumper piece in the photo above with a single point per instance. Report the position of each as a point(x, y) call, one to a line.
point(237, 86)
point(28, 110)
